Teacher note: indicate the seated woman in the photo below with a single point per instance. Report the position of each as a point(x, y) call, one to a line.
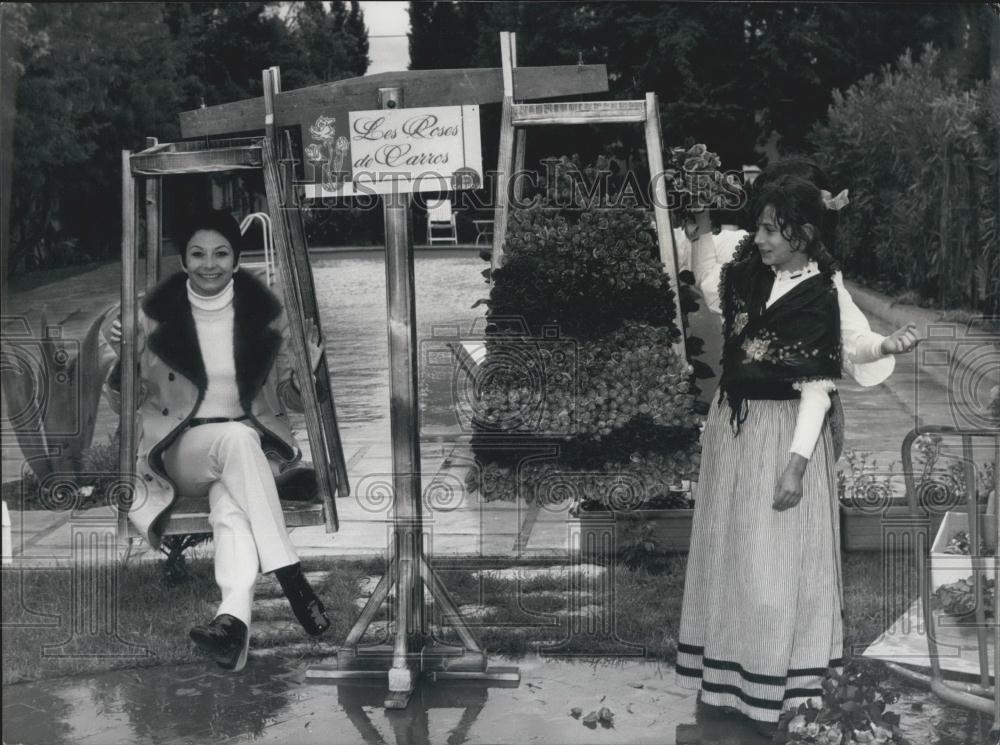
point(215, 383)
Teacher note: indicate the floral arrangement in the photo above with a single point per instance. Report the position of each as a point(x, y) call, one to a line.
point(940, 479)
point(959, 598)
point(852, 710)
point(694, 174)
point(581, 354)
point(585, 272)
point(960, 543)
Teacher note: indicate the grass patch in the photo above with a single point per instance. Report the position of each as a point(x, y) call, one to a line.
point(151, 620)
point(643, 616)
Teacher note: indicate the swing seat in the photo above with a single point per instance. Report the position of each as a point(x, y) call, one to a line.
point(296, 491)
point(189, 516)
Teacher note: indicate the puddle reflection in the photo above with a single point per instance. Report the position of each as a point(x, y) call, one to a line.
point(271, 702)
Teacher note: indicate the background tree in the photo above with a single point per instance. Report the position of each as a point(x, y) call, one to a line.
point(334, 43)
point(749, 79)
point(98, 78)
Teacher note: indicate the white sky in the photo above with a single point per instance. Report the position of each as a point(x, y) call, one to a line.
point(388, 23)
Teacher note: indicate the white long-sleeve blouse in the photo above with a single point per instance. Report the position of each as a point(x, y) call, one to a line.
point(861, 347)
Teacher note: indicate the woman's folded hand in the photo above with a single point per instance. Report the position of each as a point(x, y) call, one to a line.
point(788, 492)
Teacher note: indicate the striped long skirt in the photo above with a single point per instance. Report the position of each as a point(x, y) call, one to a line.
point(761, 621)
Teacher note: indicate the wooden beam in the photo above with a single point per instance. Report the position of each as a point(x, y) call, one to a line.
point(664, 230)
point(128, 354)
point(579, 112)
point(423, 88)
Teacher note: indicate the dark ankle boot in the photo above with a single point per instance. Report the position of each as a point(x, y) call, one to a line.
point(226, 640)
point(307, 607)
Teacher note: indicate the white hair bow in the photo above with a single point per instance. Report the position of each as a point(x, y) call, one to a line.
point(834, 203)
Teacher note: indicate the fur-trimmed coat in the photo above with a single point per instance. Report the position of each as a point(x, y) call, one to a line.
point(173, 382)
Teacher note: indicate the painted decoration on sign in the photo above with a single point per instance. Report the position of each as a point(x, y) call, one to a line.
point(397, 150)
point(327, 152)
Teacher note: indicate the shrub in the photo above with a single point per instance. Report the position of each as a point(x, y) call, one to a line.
point(918, 153)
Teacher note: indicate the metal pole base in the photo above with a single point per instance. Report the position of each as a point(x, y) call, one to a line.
point(433, 667)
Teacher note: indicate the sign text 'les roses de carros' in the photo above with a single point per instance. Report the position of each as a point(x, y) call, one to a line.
point(395, 150)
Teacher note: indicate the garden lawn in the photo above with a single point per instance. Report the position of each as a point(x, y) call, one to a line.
point(517, 616)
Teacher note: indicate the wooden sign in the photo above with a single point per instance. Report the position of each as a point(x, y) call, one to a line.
point(395, 151)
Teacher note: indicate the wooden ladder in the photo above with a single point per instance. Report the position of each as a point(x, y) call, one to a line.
point(517, 117)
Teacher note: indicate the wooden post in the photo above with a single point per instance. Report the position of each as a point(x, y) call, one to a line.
point(298, 336)
point(520, 133)
point(664, 230)
point(403, 420)
point(291, 217)
point(152, 188)
point(127, 350)
point(272, 86)
point(505, 154)
point(301, 294)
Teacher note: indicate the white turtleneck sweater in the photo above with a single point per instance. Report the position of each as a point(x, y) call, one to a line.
point(213, 319)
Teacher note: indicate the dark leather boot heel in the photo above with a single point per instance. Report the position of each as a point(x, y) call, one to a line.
point(308, 608)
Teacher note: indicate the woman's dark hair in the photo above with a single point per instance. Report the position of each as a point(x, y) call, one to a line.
point(797, 203)
point(800, 167)
point(218, 220)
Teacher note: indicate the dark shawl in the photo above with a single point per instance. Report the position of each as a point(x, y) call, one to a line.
point(766, 351)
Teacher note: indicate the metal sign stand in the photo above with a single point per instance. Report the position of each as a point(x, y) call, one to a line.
point(409, 570)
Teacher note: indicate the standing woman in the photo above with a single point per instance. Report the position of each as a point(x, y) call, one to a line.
point(762, 618)
point(215, 383)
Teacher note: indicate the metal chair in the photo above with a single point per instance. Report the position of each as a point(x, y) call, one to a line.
point(984, 695)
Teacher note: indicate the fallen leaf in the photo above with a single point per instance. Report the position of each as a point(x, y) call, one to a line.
point(576, 712)
point(591, 720)
point(637, 685)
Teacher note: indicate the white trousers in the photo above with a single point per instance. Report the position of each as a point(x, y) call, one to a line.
point(225, 461)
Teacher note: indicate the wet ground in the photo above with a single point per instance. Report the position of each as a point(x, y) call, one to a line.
point(271, 701)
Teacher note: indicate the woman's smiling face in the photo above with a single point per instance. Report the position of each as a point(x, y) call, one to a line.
point(775, 249)
point(209, 261)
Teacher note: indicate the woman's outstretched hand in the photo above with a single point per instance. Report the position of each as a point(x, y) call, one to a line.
point(788, 492)
point(901, 340)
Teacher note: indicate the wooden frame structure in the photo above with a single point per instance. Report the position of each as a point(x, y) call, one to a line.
point(190, 516)
point(409, 570)
point(517, 117)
